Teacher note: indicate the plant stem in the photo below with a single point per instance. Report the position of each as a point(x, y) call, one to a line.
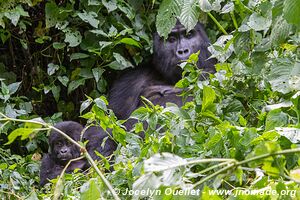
point(217, 23)
point(235, 164)
point(82, 149)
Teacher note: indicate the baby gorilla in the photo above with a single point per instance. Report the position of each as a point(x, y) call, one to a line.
point(61, 150)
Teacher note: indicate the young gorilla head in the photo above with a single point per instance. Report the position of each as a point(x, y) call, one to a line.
point(179, 45)
point(62, 150)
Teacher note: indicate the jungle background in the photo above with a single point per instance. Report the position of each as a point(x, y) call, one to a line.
point(241, 132)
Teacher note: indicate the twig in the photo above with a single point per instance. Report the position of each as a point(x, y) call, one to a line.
point(82, 149)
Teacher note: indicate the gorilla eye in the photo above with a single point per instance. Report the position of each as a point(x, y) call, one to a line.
point(171, 39)
point(190, 34)
point(59, 143)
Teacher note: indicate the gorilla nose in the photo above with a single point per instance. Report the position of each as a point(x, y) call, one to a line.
point(183, 54)
point(64, 150)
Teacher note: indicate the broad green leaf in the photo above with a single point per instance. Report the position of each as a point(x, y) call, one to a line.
point(101, 104)
point(228, 8)
point(13, 87)
point(189, 14)
point(213, 140)
point(52, 68)
point(292, 134)
point(90, 190)
point(209, 97)
point(97, 73)
point(110, 5)
point(15, 14)
point(162, 162)
point(104, 44)
point(166, 17)
point(131, 42)
point(291, 11)
point(146, 182)
point(259, 22)
point(54, 14)
point(276, 118)
point(248, 136)
point(58, 45)
point(30, 125)
point(280, 31)
point(73, 38)
point(284, 75)
point(64, 80)
point(75, 84)
point(76, 56)
point(85, 105)
point(89, 17)
point(23, 132)
point(56, 92)
point(120, 63)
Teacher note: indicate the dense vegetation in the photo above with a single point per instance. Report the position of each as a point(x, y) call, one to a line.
point(240, 133)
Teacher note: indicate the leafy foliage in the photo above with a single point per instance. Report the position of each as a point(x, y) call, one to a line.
point(240, 133)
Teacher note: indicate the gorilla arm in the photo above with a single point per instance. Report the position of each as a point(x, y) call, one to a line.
point(124, 96)
point(161, 94)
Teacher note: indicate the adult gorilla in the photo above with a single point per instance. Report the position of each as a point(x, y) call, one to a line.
point(156, 82)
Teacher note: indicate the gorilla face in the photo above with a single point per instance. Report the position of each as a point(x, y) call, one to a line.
point(63, 150)
point(179, 45)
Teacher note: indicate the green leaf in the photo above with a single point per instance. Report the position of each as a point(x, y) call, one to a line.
point(15, 14)
point(73, 38)
point(75, 84)
point(104, 44)
point(292, 134)
point(259, 22)
point(284, 75)
point(90, 18)
point(52, 68)
point(209, 97)
point(189, 14)
point(64, 80)
point(90, 190)
point(131, 42)
point(97, 73)
point(280, 31)
point(101, 103)
point(291, 11)
point(121, 63)
point(58, 45)
point(56, 92)
point(85, 105)
point(13, 87)
point(166, 17)
point(76, 56)
point(228, 8)
point(110, 5)
point(162, 162)
point(276, 118)
point(54, 14)
point(23, 132)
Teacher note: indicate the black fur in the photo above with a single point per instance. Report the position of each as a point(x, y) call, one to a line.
point(156, 82)
point(61, 150)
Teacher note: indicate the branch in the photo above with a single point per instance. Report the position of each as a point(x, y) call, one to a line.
point(82, 149)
